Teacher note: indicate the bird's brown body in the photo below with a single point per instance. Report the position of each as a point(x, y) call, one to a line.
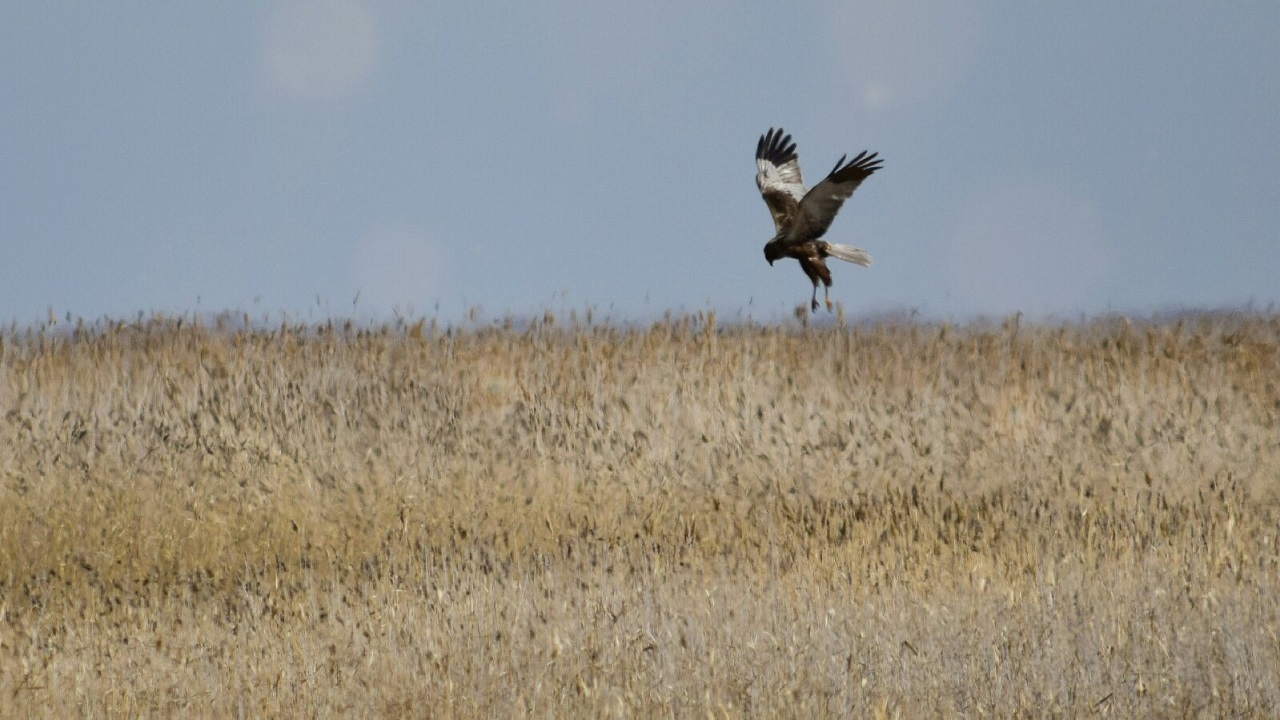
point(802, 216)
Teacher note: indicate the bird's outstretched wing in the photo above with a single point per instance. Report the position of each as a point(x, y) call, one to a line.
point(819, 206)
point(778, 177)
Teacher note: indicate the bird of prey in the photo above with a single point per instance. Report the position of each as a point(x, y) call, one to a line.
point(801, 216)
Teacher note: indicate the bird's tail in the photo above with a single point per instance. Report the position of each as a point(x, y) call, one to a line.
point(849, 253)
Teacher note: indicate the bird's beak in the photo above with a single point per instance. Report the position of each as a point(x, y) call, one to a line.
point(770, 263)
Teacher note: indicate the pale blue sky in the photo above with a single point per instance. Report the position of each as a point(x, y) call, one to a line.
point(1058, 158)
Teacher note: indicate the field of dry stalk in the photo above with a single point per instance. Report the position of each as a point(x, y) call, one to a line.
point(676, 520)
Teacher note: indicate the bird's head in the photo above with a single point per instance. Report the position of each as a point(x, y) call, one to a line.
point(772, 252)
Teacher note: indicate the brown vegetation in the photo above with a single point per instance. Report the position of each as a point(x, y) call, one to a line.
point(678, 520)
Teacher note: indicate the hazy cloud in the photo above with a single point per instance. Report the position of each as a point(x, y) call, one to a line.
point(1028, 246)
point(319, 49)
point(892, 54)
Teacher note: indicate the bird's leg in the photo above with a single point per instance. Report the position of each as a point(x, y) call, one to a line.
point(814, 301)
point(826, 295)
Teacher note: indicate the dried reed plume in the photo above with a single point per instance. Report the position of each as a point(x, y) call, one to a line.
point(675, 520)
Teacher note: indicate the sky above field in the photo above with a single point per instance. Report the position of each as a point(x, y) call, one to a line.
point(335, 158)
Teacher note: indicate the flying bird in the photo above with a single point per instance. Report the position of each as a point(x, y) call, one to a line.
point(801, 216)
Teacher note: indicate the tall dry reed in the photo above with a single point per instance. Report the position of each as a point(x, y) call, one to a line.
point(670, 520)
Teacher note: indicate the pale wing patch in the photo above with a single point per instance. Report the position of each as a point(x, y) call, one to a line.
point(778, 177)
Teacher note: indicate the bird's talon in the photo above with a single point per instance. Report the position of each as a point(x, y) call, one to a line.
point(829, 304)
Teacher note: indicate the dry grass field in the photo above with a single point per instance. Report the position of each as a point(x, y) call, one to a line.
point(572, 519)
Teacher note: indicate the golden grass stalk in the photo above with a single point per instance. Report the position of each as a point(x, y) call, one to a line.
point(679, 519)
